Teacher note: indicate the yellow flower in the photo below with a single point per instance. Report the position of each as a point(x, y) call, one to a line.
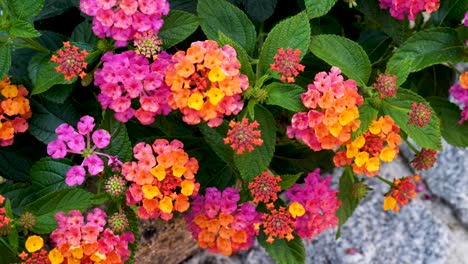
point(34, 243)
point(215, 95)
point(150, 191)
point(195, 101)
point(346, 117)
point(10, 91)
point(296, 209)
point(351, 151)
point(55, 256)
point(373, 164)
point(165, 205)
point(178, 170)
point(159, 172)
point(359, 142)
point(77, 252)
point(98, 257)
point(216, 74)
point(335, 129)
point(389, 203)
point(388, 154)
point(361, 158)
point(187, 187)
point(375, 127)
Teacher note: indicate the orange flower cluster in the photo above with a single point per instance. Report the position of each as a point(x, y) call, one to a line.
point(206, 83)
point(333, 112)
point(161, 184)
point(379, 143)
point(14, 110)
point(401, 191)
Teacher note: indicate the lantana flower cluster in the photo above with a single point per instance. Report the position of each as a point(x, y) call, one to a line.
point(287, 64)
point(459, 91)
point(163, 183)
point(380, 143)
point(400, 193)
point(333, 112)
point(4, 220)
point(425, 159)
point(219, 224)
point(14, 111)
point(34, 246)
point(71, 61)
point(122, 19)
point(243, 136)
point(85, 142)
point(80, 241)
point(319, 201)
point(399, 9)
point(206, 83)
point(128, 77)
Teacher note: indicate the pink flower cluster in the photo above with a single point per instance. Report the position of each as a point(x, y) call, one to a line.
point(163, 183)
point(127, 76)
point(122, 19)
point(333, 112)
point(461, 95)
point(320, 204)
point(220, 224)
point(84, 142)
point(89, 242)
point(400, 8)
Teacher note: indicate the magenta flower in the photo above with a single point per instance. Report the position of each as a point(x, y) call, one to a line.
point(75, 176)
point(86, 143)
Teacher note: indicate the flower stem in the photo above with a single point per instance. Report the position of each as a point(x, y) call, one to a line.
point(384, 180)
point(412, 147)
point(35, 45)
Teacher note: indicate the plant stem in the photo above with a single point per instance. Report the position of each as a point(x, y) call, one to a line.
point(412, 147)
point(259, 46)
point(385, 180)
point(35, 45)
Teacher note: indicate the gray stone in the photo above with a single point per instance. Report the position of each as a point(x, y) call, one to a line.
point(372, 235)
point(448, 179)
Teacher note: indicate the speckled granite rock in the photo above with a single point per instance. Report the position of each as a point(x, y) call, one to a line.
point(448, 179)
point(372, 235)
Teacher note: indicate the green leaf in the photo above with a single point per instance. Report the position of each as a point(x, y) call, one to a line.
point(316, 8)
point(13, 234)
point(242, 56)
point(43, 75)
point(398, 108)
point(20, 194)
point(48, 175)
point(367, 114)
point(283, 251)
point(58, 93)
point(7, 252)
point(449, 115)
point(48, 116)
point(47, 206)
point(54, 8)
point(23, 29)
point(14, 164)
point(424, 49)
point(5, 60)
point(348, 202)
point(120, 144)
point(25, 8)
point(288, 180)
point(222, 16)
point(260, 10)
point(214, 138)
point(293, 32)
point(285, 95)
point(178, 25)
point(84, 33)
point(251, 164)
point(375, 43)
point(344, 54)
